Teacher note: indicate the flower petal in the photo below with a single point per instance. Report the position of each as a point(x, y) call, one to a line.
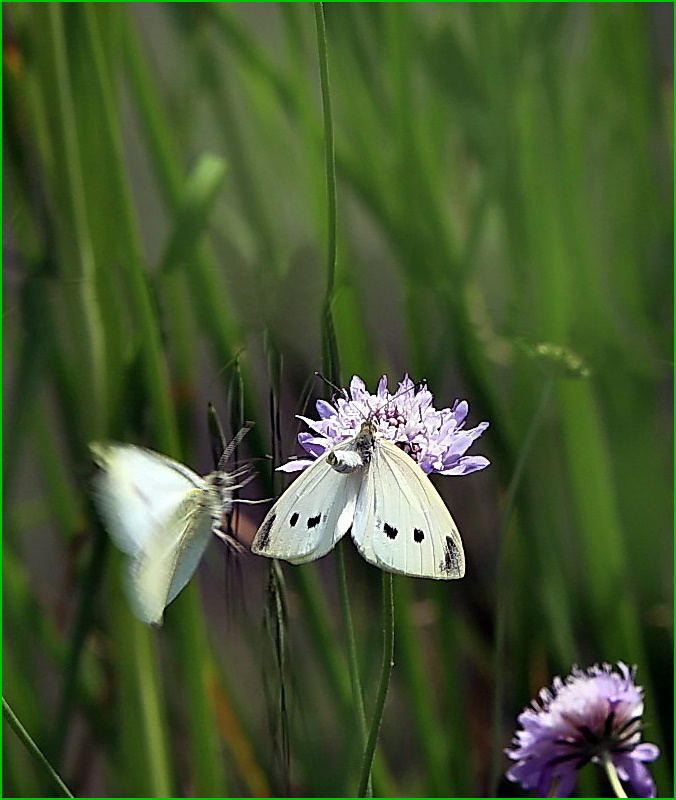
point(296, 465)
point(465, 465)
point(313, 445)
point(460, 411)
point(646, 751)
point(635, 773)
point(358, 388)
point(315, 425)
point(565, 783)
point(324, 409)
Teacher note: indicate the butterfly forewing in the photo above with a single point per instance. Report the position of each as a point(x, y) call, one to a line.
point(137, 490)
point(401, 523)
point(311, 516)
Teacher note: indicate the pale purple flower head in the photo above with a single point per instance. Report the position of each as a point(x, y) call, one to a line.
point(436, 439)
point(592, 715)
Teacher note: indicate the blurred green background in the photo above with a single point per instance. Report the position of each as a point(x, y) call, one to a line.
point(504, 182)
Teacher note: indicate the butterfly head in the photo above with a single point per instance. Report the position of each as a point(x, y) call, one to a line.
point(221, 485)
point(363, 441)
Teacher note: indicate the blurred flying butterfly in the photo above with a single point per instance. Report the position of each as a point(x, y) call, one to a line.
point(160, 514)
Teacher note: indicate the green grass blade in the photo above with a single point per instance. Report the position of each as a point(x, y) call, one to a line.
point(33, 749)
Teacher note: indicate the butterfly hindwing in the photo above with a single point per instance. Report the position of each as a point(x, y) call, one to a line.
point(401, 523)
point(169, 559)
point(311, 516)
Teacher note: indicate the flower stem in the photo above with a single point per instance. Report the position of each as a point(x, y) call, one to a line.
point(386, 672)
point(613, 777)
point(33, 749)
point(330, 363)
point(352, 662)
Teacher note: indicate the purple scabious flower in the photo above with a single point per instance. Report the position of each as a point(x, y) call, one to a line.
point(592, 715)
point(436, 439)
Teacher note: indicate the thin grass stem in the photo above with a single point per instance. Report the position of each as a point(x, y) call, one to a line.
point(503, 581)
point(33, 749)
point(330, 360)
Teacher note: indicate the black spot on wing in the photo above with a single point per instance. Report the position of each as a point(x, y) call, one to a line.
point(451, 562)
point(418, 535)
point(312, 522)
point(263, 534)
point(390, 531)
point(294, 519)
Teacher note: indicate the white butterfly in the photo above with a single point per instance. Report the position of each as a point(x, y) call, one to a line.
point(161, 514)
point(370, 487)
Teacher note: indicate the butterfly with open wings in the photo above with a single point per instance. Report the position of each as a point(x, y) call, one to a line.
point(368, 485)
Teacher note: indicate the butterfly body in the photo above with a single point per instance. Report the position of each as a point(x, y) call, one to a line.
point(355, 453)
point(161, 515)
point(370, 487)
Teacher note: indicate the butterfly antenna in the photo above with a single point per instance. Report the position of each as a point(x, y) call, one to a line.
point(233, 445)
point(337, 389)
point(399, 392)
point(306, 394)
